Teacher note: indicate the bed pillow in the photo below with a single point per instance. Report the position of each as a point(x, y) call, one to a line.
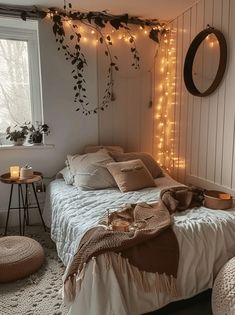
point(146, 158)
point(109, 148)
point(67, 175)
point(90, 171)
point(131, 175)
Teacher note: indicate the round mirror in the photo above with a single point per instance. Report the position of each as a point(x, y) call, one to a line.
point(205, 62)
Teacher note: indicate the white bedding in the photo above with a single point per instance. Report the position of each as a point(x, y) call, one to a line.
point(206, 241)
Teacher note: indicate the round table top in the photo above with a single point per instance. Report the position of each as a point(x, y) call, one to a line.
point(6, 179)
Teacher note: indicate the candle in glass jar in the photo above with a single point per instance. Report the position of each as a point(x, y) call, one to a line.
point(15, 172)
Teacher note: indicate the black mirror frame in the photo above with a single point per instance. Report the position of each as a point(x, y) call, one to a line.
point(188, 64)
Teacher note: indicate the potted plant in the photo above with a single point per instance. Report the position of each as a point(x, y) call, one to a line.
point(17, 134)
point(36, 133)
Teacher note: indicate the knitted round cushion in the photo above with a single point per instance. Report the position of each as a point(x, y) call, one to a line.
point(19, 257)
point(223, 293)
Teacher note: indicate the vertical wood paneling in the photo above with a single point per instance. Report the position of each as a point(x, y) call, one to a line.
point(197, 102)
point(205, 127)
point(213, 105)
point(183, 100)
point(221, 102)
point(178, 89)
point(229, 105)
point(192, 30)
point(205, 102)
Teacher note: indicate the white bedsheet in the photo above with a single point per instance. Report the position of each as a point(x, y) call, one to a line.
point(206, 241)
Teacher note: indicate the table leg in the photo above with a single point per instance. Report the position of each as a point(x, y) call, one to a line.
point(8, 211)
point(19, 191)
point(40, 212)
point(26, 204)
point(24, 207)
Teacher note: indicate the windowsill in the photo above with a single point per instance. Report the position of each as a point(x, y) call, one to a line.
point(26, 147)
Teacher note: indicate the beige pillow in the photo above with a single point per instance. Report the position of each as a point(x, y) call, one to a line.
point(146, 158)
point(90, 171)
point(109, 148)
point(131, 175)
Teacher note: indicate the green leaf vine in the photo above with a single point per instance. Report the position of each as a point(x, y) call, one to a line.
point(71, 46)
point(97, 21)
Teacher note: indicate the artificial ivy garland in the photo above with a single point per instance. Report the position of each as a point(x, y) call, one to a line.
point(97, 21)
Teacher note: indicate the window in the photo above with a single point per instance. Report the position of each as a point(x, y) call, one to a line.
point(20, 92)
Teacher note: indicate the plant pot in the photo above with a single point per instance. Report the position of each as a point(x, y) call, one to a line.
point(19, 141)
point(36, 138)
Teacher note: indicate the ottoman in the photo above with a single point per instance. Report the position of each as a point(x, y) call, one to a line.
point(223, 292)
point(20, 256)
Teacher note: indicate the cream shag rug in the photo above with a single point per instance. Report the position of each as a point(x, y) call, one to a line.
point(38, 294)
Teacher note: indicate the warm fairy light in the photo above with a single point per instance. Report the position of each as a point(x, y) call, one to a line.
point(92, 32)
point(165, 105)
point(145, 32)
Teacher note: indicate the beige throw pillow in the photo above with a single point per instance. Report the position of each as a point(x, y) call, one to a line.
point(131, 175)
point(109, 148)
point(90, 171)
point(146, 158)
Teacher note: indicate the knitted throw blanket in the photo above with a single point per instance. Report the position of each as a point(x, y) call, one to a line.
point(151, 247)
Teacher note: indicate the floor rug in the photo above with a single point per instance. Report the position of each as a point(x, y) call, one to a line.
point(38, 294)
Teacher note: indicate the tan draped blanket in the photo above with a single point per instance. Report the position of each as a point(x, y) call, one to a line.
point(151, 247)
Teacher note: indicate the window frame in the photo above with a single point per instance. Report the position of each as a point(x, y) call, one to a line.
point(15, 29)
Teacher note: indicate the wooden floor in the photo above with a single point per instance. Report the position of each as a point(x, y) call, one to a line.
point(198, 305)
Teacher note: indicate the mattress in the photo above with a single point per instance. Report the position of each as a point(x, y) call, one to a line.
point(205, 237)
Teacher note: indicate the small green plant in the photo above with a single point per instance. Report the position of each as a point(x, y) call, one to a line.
point(36, 133)
point(17, 132)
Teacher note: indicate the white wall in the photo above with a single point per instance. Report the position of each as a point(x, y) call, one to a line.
point(129, 120)
point(204, 127)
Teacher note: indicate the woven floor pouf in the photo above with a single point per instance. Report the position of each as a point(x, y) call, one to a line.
point(20, 256)
point(223, 293)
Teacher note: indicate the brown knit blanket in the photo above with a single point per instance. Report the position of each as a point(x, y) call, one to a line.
point(151, 247)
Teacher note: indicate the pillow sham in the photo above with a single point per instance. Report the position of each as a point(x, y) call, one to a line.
point(90, 171)
point(109, 148)
point(146, 158)
point(67, 176)
point(131, 175)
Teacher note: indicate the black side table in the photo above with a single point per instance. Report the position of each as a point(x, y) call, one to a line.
point(23, 200)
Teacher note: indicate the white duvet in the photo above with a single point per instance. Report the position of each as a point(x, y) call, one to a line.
point(206, 241)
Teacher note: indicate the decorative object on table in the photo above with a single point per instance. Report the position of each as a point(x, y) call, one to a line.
point(120, 225)
point(217, 200)
point(18, 133)
point(36, 133)
point(19, 257)
point(23, 199)
point(14, 172)
point(26, 172)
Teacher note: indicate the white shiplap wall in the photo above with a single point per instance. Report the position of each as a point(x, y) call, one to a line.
point(205, 127)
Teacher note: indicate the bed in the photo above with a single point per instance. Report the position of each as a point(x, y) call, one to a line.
point(205, 237)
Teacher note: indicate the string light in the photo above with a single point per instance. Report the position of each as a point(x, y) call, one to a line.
point(164, 106)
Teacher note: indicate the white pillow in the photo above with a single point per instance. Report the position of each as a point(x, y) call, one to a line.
point(67, 175)
point(90, 171)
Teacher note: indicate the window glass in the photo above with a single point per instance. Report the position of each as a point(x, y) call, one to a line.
point(20, 80)
point(15, 100)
